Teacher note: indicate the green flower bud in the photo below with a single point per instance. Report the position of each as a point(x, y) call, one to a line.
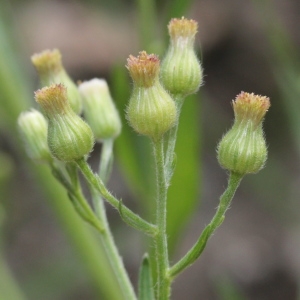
point(151, 111)
point(50, 69)
point(33, 129)
point(243, 149)
point(181, 70)
point(69, 137)
point(99, 109)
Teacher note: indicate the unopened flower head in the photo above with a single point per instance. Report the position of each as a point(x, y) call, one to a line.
point(144, 69)
point(151, 111)
point(99, 109)
point(47, 63)
point(182, 31)
point(243, 149)
point(33, 129)
point(53, 100)
point(69, 137)
point(181, 70)
point(50, 69)
point(250, 107)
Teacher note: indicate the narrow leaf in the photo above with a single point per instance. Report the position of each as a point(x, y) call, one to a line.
point(145, 280)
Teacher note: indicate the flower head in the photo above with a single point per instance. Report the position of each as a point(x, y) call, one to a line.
point(69, 137)
point(99, 109)
point(49, 66)
point(243, 148)
point(33, 129)
point(151, 111)
point(143, 69)
point(250, 107)
point(181, 70)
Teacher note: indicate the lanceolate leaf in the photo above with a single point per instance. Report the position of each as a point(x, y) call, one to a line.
point(145, 280)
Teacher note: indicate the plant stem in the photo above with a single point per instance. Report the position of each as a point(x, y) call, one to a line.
point(117, 265)
point(111, 250)
point(75, 194)
point(106, 159)
point(90, 248)
point(170, 138)
point(106, 237)
point(197, 249)
point(100, 222)
point(95, 181)
point(161, 245)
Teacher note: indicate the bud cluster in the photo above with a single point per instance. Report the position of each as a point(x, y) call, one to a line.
point(63, 134)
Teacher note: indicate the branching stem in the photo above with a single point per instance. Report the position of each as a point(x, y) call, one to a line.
point(197, 249)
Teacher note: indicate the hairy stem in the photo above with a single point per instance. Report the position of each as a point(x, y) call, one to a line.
point(197, 249)
point(95, 181)
point(161, 245)
point(170, 140)
point(106, 159)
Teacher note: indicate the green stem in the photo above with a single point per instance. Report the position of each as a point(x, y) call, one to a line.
point(111, 250)
point(161, 245)
point(106, 238)
point(74, 189)
point(95, 181)
point(170, 140)
point(106, 159)
point(85, 240)
point(101, 225)
point(197, 249)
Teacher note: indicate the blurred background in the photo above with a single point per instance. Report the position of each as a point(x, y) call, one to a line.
point(251, 46)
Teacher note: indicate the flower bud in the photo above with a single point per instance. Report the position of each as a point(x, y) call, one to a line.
point(50, 69)
point(151, 111)
point(69, 137)
point(181, 70)
point(33, 129)
point(99, 109)
point(243, 149)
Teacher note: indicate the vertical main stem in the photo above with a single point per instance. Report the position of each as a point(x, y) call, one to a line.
point(161, 245)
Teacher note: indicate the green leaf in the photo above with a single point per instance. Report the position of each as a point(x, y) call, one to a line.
point(145, 280)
